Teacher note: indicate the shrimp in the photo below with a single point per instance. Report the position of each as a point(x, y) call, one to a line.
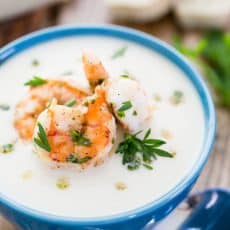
point(129, 101)
point(82, 135)
point(94, 70)
point(28, 109)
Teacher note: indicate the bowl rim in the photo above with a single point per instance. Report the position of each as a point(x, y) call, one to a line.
point(148, 41)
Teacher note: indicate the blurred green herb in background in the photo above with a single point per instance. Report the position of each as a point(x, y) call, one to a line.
point(212, 54)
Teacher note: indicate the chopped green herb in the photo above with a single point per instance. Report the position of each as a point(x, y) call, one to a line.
point(42, 140)
point(62, 183)
point(71, 102)
point(163, 153)
point(134, 113)
point(86, 103)
point(36, 81)
point(136, 152)
point(177, 97)
point(80, 139)
point(113, 140)
point(35, 63)
point(74, 159)
point(120, 52)
point(135, 164)
point(150, 167)
point(7, 148)
point(124, 76)
point(4, 107)
point(120, 113)
point(125, 106)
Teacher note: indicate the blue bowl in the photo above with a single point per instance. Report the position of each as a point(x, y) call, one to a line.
point(27, 218)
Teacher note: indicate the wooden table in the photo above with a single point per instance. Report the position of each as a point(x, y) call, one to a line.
point(217, 170)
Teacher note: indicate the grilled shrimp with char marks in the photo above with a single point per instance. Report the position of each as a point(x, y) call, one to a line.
point(82, 135)
point(27, 110)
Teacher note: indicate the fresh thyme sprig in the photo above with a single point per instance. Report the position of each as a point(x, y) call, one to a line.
point(136, 152)
point(42, 140)
point(36, 81)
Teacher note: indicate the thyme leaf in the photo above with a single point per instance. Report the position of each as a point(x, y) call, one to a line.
point(120, 52)
point(71, 102)
point(4, 107)
point(125, 106)
point(80, 139)
point(35, 81)
point(74, 159)
point(42, 140)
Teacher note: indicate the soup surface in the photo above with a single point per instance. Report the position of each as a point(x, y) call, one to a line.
point(110, 188)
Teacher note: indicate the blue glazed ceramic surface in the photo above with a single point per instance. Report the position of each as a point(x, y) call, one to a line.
point(211, 211)
point(27, 218)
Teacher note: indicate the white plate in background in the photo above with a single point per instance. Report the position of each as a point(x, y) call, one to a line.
point(11, 8)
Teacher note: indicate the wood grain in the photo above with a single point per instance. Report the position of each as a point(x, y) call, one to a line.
point(217, 170)
point(5, 225)
point(27, 23)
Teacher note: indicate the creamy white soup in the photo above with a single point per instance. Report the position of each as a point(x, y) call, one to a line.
point(109, 188)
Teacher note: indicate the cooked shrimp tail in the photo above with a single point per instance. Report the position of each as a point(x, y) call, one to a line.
point(94, 70)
